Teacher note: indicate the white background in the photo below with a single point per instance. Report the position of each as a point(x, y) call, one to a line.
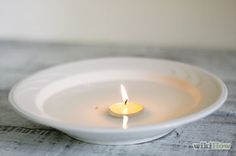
point(174, 23)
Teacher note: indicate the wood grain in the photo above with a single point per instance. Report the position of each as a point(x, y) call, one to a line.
point(20, 137)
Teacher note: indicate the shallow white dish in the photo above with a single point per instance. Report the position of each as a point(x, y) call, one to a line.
point(75, 97)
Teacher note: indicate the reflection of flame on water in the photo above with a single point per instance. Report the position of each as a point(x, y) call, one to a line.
point(125, 119)
point(125, 122)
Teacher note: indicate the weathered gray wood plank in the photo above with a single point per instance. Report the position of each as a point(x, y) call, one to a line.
point(21, 137)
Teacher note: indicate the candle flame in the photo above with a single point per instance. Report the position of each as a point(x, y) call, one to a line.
point(123, 93)
point(125, 122)
point(125, 111)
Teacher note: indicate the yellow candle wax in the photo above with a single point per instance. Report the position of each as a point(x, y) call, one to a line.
point(125, 108)
point(121, 109)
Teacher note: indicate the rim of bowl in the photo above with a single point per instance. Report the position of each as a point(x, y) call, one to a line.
point(173, 123)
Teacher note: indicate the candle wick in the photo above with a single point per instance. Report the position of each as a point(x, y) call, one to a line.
point(126, 101)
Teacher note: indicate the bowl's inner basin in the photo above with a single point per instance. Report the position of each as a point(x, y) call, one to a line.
point(87, 105)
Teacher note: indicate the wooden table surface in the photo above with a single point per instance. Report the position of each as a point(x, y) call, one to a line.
point(21, 137)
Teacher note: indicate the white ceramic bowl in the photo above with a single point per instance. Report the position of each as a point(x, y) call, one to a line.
point(75, 97)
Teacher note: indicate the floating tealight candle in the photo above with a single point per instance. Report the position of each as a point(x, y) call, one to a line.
point(125, 107)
